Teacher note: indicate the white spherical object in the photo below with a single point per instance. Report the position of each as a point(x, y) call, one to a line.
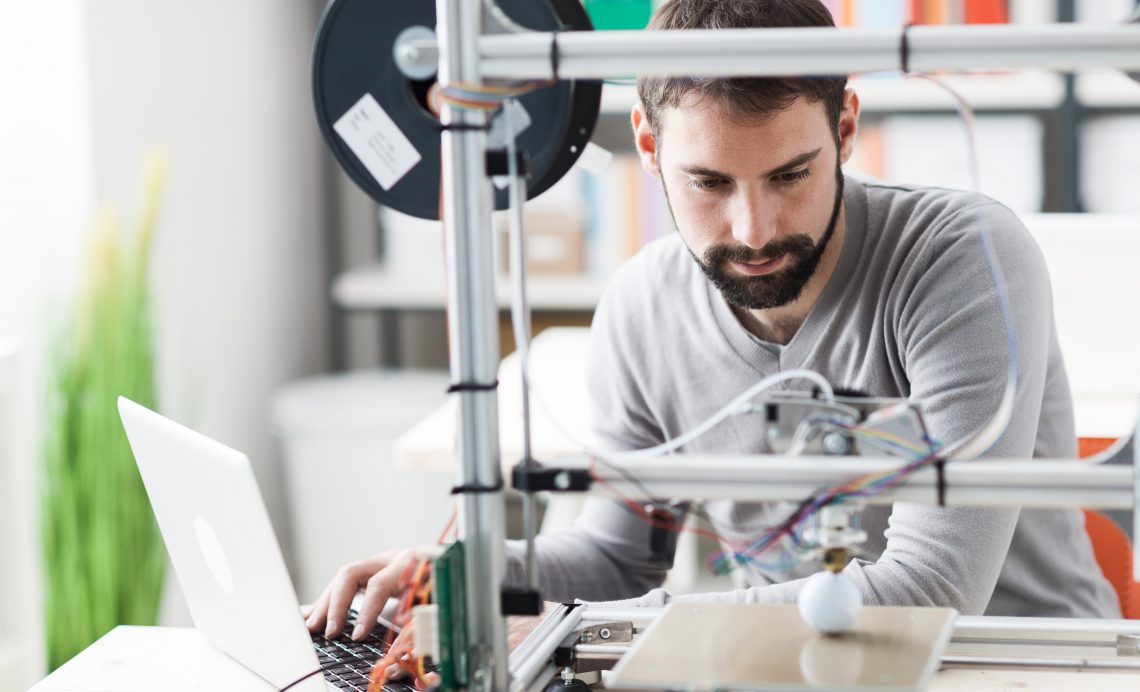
point(829, 602)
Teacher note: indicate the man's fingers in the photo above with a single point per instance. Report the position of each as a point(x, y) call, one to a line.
point(349, 580)
point(316, 619)
point(379, 587)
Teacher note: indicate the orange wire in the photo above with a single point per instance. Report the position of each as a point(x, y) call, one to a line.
point(447, 529)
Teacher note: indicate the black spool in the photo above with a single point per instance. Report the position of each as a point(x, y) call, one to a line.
point(352, 56)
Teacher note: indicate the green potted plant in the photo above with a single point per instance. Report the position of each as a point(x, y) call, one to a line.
point(103, 555)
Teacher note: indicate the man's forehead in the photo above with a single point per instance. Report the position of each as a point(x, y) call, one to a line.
point(701, 134)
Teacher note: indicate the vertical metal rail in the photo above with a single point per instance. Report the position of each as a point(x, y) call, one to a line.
point(474, 343)
point(1066, 136)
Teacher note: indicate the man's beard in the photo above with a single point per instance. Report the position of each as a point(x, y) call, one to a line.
point(780, 287)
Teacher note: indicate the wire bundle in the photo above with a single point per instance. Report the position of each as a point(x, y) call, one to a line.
point(416, 588)
point(868, 485)
point(485, 97)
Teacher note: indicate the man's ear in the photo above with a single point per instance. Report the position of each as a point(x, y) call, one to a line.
point(848, 124)
point(644, 140)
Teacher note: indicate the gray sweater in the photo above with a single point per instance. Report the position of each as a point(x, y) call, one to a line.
point(910, 311)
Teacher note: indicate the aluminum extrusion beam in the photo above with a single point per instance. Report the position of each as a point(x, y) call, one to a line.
point(473, 342)
point(800, 51)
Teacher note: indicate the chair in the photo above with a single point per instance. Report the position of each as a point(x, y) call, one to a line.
point(1110, 545)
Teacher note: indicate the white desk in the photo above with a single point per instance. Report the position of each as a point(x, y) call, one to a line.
point(144, 659)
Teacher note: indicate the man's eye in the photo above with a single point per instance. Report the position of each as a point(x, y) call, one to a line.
point(705, 184)
point(795, 176)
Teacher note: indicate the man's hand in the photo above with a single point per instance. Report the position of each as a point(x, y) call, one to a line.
point(379, 576)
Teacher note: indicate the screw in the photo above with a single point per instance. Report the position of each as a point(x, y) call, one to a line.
point(605, 633)
point(411, 53)
point(836, 443)
point(562, 480)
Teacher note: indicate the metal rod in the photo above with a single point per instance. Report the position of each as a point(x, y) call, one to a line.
point(802, 51)
point(1060, 483)
point(1041, 630)
point(520, 318)
point(1085, 663)
point(602, 650)
point(473, 344)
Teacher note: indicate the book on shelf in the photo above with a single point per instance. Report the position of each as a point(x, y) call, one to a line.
point(897, 13)
point(1104, 11)
point(625, 209)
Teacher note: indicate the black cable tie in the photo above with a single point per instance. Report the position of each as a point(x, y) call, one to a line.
point(904, 48)
point(554, 57)
point(464, 127)
point(472, 489)
point(472, 387)
point(940, 471)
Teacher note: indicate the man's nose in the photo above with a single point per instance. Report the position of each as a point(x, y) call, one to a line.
point(753, 221)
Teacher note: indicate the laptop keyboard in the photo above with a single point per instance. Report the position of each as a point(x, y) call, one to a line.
point(346, 663)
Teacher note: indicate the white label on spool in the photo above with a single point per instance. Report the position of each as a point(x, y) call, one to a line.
point(377, 141)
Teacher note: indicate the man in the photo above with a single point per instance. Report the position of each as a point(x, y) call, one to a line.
point(783, 262)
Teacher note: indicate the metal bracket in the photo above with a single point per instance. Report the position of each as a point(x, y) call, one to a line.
point(606, 633)
point(518, 601)
point(1128, 645)
point(530, 478)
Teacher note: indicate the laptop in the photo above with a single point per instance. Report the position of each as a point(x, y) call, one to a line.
point(225, 554)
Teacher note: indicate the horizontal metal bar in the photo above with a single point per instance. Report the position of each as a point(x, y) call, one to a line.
point(800, 51)
point(1085, 663)
point(1037, 483)
point(601, 650)
point(1042, 630)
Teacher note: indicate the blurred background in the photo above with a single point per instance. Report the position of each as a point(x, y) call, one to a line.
point(284, 314)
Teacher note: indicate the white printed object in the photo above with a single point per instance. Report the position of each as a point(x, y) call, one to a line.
point(830, 602)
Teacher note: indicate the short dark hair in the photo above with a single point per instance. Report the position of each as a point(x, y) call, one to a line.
point(747, 96)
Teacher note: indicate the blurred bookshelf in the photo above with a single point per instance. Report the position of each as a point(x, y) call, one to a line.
point(373, 286)
point(1107, 89)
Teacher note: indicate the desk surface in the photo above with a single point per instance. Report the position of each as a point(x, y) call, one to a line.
point(143, 659)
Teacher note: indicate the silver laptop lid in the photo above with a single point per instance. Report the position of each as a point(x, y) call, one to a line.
point(223, 548)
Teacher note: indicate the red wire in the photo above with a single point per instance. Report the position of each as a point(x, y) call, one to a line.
point(641, 512)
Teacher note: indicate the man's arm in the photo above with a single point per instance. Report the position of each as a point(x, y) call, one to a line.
point(951, 342)
point(606, 555)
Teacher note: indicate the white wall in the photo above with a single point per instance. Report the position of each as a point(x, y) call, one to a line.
point(89, 87)
point(46, 198)
point(222, 88)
